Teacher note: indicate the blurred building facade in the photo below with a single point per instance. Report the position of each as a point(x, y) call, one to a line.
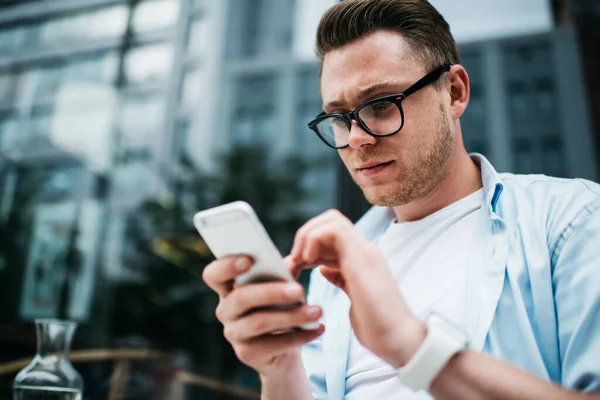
point(96, 104)
point(584, 18)
point(98, 94)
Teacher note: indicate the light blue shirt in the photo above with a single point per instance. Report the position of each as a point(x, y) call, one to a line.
point(533, 285)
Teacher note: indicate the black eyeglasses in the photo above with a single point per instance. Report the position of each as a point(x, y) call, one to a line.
point(378, 117)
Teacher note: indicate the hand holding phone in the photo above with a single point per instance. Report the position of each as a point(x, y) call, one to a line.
point(234, 229)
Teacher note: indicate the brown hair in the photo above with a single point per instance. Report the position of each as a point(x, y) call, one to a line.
point(424, 28)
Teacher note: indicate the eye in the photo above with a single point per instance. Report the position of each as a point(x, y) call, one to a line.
point(381, 109)
point(336, 122)
point(384, 105)
point(381, 106)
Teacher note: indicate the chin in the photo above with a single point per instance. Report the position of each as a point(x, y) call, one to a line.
point(382, 196)
point(392, 194)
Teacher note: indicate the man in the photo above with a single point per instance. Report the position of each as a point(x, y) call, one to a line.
point(461, 283)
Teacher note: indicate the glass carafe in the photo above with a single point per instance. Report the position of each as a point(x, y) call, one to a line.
point(50, 375)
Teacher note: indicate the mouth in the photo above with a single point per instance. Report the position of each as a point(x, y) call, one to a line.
point(373, 168)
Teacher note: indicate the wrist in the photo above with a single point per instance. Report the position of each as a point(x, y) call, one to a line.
point(442, 342)
point(285, 364)
point(408, 340)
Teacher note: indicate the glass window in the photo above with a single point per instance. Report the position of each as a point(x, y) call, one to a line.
point(141, 123)
point(9, 82)
point(321, 180)
point(309, 105)
point(197, 36)
point(97, 68)
point(155, 14)
point(110, 22)
point(260, 27)
point(473, 120)
point(9, 132)
point(103, 23)
point(198, 4)
point(40, 126)
point(42, 83)
point(181, 136)
point(553, 159)
point(61, 29)
point(47, 81)
point(148, 64)
point(525, 157)
point(534, 115)
point(545, 102)
point(60, 182)
point(13, 38)
point(26, 133)
point(191, 88)
point(134, 182)
point(254, 109)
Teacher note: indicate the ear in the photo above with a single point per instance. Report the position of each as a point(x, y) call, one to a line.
point(460, 90)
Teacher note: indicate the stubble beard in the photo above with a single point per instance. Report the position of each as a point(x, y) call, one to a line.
point(416, 181)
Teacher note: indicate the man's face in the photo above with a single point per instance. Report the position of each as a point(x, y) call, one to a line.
point(404, 167)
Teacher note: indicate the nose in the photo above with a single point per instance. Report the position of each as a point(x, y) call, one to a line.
point(358, 138)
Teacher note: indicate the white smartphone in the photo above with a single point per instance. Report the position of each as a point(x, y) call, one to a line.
point(234, 229)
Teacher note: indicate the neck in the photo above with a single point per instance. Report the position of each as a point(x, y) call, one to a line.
point(461, 177)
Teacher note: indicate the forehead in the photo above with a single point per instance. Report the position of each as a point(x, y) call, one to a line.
point(381, 56)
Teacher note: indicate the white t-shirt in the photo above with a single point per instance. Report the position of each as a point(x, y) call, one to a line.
point(428, 259)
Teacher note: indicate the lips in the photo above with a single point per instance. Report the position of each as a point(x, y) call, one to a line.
point(373, 165)
point(371, 169)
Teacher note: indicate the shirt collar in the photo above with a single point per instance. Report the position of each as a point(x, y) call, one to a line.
point(492, 184)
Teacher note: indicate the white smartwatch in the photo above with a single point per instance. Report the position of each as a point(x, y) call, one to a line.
point(443, 341)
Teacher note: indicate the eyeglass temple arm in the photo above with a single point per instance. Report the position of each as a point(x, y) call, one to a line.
point(310, 124)
point(427, 79)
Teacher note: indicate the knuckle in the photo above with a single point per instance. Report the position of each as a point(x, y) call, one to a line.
point(257, 323)
point(276, 292)
point(207, 272)
point(236, 300)
point(219, 313)
point(229, 333)
point(301, 315)
point(300, 232)
point(332, 212)
point(312, 235)
point(243, 352)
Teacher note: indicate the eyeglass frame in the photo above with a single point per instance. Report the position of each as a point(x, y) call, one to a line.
point(397, 99)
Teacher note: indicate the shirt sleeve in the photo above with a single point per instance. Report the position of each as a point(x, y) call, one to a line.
point(576, 280)
point(312, 353)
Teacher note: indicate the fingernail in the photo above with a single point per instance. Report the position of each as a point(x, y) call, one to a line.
point(242, 264)
point(293, 290)
point(313, 312)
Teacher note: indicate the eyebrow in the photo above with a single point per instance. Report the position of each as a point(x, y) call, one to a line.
point(366, 92)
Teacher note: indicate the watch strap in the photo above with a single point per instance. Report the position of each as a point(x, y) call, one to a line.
point(439, 346)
